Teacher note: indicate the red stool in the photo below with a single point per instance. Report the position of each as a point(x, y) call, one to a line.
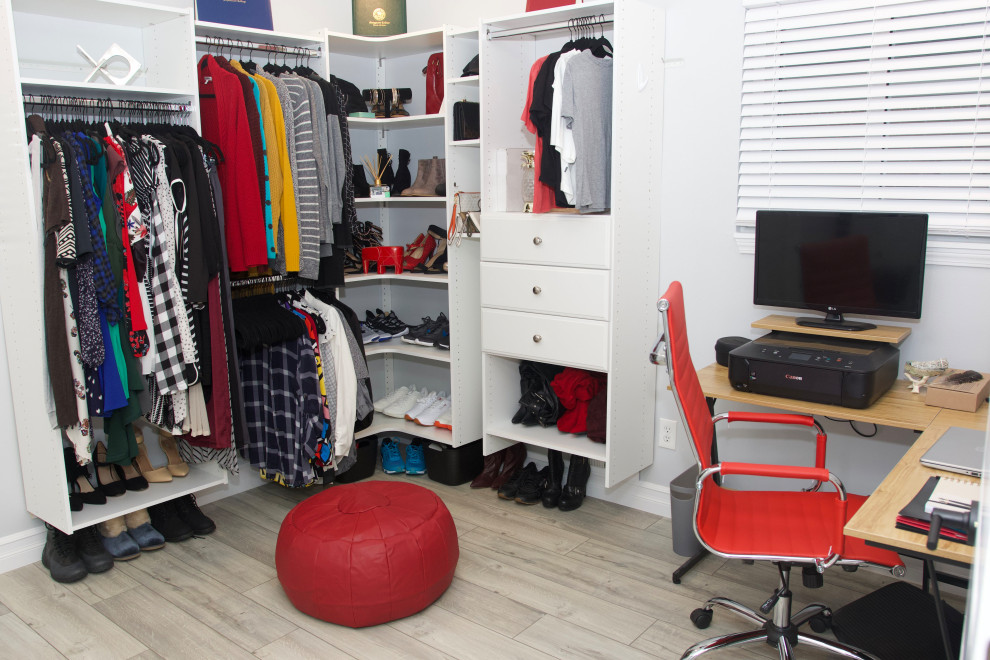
point(366, 553)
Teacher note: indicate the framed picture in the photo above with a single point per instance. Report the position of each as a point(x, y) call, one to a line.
point(246, 13)
point(378, 18)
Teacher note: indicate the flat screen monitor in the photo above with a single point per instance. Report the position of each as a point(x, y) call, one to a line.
point(839, 263)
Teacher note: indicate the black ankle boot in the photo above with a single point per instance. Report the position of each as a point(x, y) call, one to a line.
point(577, 482)
point(165, 518)
point(89, 547)
point(403, 178)
point(531, 486)
point(551, 494)
point(361, 186)
point(189, 512)
point(61, 558)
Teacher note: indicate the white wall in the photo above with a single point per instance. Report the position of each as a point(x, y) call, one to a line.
point(698, 172)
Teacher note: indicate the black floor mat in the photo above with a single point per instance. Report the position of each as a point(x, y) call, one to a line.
point(897, 622)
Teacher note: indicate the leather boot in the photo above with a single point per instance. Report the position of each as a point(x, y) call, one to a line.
point(515, 456)
point(430, 173)
point(361, 186)
point(577, 483)
point(490, 470)
point(551, 494)
point(61, 558)
point(403, 179)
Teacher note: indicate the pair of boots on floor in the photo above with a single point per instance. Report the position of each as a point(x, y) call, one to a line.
point(503, 471)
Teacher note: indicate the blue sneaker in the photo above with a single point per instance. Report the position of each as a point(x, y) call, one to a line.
point(392, 457)
point(415, 460)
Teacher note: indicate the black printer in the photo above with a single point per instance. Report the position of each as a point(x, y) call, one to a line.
point(844, 372)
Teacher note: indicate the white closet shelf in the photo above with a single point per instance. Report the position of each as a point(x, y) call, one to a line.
point(398, 347)
point(200, 476)
point(550, 438)
point(395, 122)
point(389, 275)
point(112, 12)
point(400, 45)
point(384, 424)
point(465, 143)
point(102, 90)
point(367, 201)
point(552, 15)
point(207, 29)
point(471, 81)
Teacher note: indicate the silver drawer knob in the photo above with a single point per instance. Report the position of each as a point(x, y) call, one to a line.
point(537, 290)
point(537, 338)
point(537, 240)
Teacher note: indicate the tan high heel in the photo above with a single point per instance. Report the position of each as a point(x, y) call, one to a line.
point(177, 466)
point(143, 463)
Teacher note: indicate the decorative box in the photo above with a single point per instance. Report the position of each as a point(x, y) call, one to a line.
point(246, 13)
point(378, 18)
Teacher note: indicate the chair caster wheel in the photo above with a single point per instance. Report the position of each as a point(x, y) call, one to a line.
point(849, 568)
point(820, 622)
point(701, 618)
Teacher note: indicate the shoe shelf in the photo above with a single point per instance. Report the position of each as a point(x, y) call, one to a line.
point(470, 81)
point(384, 425)
point(548, 438)
point(465, 143)
point(367, 201)
point(389, 276)
point(398, 347)
point(205, 475)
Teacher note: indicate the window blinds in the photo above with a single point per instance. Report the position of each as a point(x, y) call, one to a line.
point(873, 105)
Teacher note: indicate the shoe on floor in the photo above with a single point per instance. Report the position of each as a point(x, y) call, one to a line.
point(531, 485)
point(189, 512)
point(415, 460)
point(392, 462)
point(430, 415)
point(89, 547)
point(510, 488)
point(404, 403)
point(166, 520)
point(61, 558)
point(147, 537)
point(423, 403)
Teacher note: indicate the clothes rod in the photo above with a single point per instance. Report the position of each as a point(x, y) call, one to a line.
point(548, 27)
point(104, 103)
point(239, 44)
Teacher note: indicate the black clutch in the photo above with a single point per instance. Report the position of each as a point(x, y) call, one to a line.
point(467, 120)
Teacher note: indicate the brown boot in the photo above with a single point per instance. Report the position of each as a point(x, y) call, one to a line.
point(492, 466)
point(515, 456)
point(430, 173)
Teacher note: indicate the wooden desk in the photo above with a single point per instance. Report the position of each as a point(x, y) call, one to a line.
point(899, 407)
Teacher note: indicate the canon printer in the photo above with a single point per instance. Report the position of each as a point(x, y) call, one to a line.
point(843, 372)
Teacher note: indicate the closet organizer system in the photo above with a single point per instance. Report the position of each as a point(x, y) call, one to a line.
point(574, 287)
point(398, 61)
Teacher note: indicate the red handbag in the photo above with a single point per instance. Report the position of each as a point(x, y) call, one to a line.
point(434, 83)
point(536, 5)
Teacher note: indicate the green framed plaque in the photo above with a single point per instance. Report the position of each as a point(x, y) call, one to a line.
point(378, 18)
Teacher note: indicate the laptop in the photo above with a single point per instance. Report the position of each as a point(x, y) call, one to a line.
point(958, 450)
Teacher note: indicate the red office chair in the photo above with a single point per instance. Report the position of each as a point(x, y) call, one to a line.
point(785, 527)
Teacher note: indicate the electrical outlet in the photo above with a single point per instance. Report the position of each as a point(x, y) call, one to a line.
point(668, 433)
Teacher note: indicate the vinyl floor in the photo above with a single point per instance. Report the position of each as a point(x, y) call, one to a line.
point(530, 583)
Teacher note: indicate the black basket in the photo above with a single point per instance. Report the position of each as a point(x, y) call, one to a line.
point(367, 459)
point(453, 465)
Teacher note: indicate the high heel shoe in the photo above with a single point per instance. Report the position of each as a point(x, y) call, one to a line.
point(108, 480)
point(418, 252)
point(177, 466)
point(81, 491)
point(143, 463)
point(131, 476)
point(435, 262)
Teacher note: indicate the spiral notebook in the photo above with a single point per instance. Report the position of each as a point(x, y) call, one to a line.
point(958, 450)
point(953, 495)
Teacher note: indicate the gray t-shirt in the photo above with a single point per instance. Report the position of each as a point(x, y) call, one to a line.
point(586, 108)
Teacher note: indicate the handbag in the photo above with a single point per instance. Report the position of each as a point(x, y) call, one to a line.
point(467, 120)
point(434, 83)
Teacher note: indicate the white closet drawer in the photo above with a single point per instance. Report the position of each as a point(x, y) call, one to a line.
point(545, 239)
point(552, 339)
point(580, 292)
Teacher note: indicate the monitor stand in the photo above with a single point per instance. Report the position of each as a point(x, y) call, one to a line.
point(833, 321)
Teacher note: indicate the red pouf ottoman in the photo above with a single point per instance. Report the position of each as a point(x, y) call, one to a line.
point(366, 553)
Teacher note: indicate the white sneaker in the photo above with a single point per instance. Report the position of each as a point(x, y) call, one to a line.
point(445, 420)
point(429, 416)
point(402, 405)
point(388, 400)
point(423, 403)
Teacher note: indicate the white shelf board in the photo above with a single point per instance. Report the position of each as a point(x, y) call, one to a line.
point(412, 121)
point(396, 346)
point(205, 28)
point(549, 438)
point(465, 143)
point(384, 424)
point(199, 477)
point(367, 201)
point(390, 276)
point(399, 45)
point(547, 16)
point(471, 81)
point(102, 90)
point(463, 32)
point(111, 12)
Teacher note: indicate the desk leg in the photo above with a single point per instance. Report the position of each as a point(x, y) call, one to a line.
point(701, 554)
point(939, 611)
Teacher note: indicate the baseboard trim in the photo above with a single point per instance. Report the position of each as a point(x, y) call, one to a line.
point(22, 548)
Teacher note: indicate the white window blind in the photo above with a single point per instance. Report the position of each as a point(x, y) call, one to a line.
point(873, 105)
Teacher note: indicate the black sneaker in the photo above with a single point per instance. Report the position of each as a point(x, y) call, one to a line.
point(531, 485)
point(61, 558)
point(417, 330)
point(393, 323)
point(510, 488)
point(443, 336)
point(189, 511)
point(89, 547)
point(429, 338)
point(166, 520)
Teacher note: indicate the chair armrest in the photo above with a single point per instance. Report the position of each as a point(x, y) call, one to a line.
point(821, 438)
point(780, 471)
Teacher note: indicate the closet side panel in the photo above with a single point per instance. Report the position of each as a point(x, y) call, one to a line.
point(20, 300)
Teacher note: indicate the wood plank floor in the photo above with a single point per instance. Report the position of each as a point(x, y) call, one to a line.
point(530, 583)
